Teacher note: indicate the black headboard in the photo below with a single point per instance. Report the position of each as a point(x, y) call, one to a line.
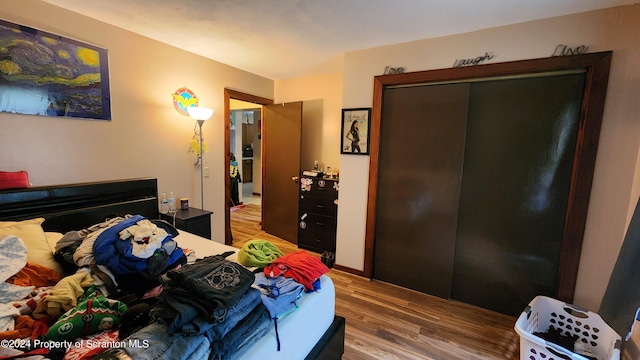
point(78, 206)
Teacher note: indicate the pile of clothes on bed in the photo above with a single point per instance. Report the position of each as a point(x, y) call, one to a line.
point(123, 254)
point(133, 295)
point(214, 308)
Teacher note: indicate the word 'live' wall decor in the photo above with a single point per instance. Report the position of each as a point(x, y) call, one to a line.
point(46, 74)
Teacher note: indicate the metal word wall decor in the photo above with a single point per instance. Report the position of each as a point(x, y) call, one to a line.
point(391, 70)
point(562, 50)
point(473, 61)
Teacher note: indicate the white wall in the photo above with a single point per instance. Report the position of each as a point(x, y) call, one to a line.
point(613, 195)
point(326, 130)
point(147, 137)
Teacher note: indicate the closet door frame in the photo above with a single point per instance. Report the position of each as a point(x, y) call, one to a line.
point(596, 67)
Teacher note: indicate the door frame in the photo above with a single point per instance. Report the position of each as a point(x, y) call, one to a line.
point(237, 95)
point(596, 66)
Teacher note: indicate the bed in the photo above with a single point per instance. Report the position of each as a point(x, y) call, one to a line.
point(312, 331)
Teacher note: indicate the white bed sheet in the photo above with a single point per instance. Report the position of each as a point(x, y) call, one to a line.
point(299, 331)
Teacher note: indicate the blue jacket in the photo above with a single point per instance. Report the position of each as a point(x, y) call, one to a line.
point(116, 254)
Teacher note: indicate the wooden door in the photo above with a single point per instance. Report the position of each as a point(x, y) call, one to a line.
point(281, 169)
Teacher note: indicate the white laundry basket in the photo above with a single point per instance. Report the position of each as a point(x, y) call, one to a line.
point(544, 313)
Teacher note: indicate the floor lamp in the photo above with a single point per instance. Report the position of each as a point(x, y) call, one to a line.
point(200, 114)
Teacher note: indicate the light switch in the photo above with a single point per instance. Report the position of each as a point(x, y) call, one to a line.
point(206, 171)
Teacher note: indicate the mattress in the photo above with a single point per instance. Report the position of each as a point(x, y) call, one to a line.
point(298, 331)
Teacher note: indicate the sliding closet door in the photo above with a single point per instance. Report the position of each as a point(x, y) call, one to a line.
point(521, 138)
point(421, 152)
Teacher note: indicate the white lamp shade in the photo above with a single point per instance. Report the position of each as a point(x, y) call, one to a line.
point(200, 113)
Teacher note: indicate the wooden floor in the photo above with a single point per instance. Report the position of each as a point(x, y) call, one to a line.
point(384, 321)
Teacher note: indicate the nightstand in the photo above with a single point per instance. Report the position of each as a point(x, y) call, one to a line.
point(192, 220)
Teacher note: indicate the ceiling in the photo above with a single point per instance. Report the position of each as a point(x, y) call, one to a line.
point(294, 38)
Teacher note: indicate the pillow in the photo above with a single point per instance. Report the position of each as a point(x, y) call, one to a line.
point(14, 180)
point(52, 239)
point(31, 233)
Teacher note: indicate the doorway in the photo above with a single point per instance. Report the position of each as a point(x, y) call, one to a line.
point(279, 133)
point(247, 98)
point(246, 155)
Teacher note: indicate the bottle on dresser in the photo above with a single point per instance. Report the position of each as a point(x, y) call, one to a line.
point(164, 204)
point(172, 202)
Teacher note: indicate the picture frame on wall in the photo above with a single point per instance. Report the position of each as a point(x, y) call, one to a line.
point(50, 75)
point(355, 131)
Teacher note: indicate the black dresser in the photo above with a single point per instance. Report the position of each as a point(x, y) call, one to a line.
point(317, 214)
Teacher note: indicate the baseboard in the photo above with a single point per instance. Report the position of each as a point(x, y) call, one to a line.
point(348, 269)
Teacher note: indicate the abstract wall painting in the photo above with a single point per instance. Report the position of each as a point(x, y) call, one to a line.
point(46, 74)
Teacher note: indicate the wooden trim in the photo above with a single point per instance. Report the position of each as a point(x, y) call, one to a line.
point(582, 174)
point(374, 157)
point(597, 67)
point(237, 95)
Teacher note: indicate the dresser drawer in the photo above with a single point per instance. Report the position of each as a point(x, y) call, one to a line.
point(317, 223)
point(201, 226)
point(316, 241)
point(318, 187)
point(318, 205)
